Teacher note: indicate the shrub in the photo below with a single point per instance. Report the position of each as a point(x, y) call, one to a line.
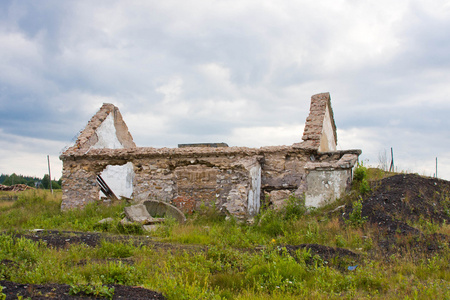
point(364, 187)
point(355, 218)
point(360, 172)
point(131, 228)
point(360, 178)
point(208, 214)
point(295, 208)
point(271, 223)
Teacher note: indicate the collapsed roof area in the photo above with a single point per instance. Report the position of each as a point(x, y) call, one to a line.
point(235, 179)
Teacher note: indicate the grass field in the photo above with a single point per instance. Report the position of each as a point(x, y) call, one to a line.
point(241, 261)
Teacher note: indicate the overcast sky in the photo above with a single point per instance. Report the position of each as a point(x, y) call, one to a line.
point(240, 72)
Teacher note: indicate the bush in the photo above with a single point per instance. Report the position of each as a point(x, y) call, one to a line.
point(360, 179)
point(131, 228)
point(355, 218)
point(295, 208)
point(360, 172)
point(208, 214)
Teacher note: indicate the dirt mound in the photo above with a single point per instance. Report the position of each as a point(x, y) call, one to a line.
point(61, 291)
point(401, 205)
point(61, 239)
point(399, 201)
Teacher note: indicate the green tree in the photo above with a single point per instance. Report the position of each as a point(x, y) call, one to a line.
point(55, 185)
point(14, 179)
point(45, 182)
point(2, 178)
point(30, 182)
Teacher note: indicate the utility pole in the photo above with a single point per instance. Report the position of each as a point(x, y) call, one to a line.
point(49, 173)
point(436, 167)
point(391, 168)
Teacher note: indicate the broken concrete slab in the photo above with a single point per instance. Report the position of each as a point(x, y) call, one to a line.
point(138, 213)
point(142, 214)
point(163, 209)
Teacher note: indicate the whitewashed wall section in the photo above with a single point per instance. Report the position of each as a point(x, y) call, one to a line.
point(107, 135)
point(119, 179)
point(254, 194)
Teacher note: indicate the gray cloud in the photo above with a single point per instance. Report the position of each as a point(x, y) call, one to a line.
point(195, 71)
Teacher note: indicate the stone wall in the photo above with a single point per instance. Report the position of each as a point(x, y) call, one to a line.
point(235, 179)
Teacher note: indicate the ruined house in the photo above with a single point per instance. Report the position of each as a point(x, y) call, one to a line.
point(235, 179)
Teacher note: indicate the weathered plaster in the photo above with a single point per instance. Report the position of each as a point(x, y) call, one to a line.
point(324, 186)
point(327, 141)
point(119, 179)
point(254, 194)
point(107, 135)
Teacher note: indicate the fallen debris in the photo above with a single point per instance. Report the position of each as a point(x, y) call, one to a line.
point(15, 188)
point(138, 213)
point(163, 209)
point(150, 213)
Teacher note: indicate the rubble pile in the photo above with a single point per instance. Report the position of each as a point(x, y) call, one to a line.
point(15, 188)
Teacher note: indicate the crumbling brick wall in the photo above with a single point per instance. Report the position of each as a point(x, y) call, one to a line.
point(234, 179)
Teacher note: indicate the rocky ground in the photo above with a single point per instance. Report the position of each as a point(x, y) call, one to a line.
point(395, 206)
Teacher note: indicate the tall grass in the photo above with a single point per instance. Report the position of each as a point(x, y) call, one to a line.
point(241, 261)
point(223, 272)
point(41, 209)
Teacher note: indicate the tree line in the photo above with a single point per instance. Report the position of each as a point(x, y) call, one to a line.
point(36, 182)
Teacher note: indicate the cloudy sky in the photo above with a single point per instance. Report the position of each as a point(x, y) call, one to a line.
point(240, 72)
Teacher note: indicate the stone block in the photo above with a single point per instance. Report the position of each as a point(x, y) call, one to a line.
point(138, 213)
point(278, 198)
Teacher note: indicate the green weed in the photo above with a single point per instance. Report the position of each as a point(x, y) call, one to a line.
point(96, 290)
point(355, 218)
point(241, 261)
point(114, 250)
point(2, 295)
point(360, 179)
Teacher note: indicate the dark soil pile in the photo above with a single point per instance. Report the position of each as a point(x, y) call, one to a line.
point(61, 291)
point(400, 203)
point(406, 199)
point(62, 239)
